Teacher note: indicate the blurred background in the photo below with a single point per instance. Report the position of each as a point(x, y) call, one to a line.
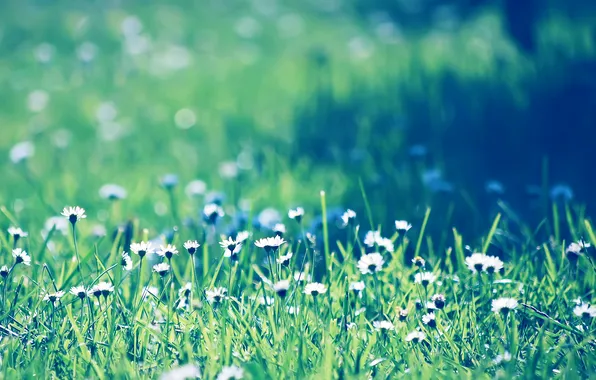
point(454, 104)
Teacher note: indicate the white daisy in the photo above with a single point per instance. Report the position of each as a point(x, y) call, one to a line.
point(21, 256)
point(232, 248)
point(429, 319)
point(17, 233)
point(231, 373)
point(492, 264)
point(185, 290)
point(504, 305)
point(371, 263)
point(373, 238)
point(348, 217)
point(424, 278)
point(314, 289)
point(302, 276)
point(383, 326)
point(161, 269)
point(439, 300)
point(53, 297)
point(242, 236)
point(188, 371)
point(4, 271)
point(270, 243)
point(74, 214)
point(402, 225)
point(142, 248)
point(585, 311)
point(415, 336)
point(102, 289)
point(402, 314)
point(150, 290)
point(357, 286)
point(126, 262)
point(216, 295)
point(418, 261)
point(212, 212)
point(112, 192)
point(79, 291)
point(476, 261)
point(191, 246)
point(168, 251)
point(296, 214)
point(285, 259)
point(281, 287)
point(279, 229)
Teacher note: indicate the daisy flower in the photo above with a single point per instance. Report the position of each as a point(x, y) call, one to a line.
point(79, 291)
point(112, 192)
point(439, 300)
point(231, 373)
point(279, 229)
point(419, 262)
point(281, 287)
point(503, 305)
point(187, 371)
point(285, 259)
point(168, 251)
point(17, 233)
point(232, 248)
point(402, 314)
point(270, 243)
point(429, 319)
point(4, 271)
point(373, 238)
point(185, 290)
point(216, 295)
point(161, 269)
point(357, 286)
point(21, 256)
point(348, 217)
point(402, 225)
point(585, 311)
point(212, 212)
point(126, 262)
point(142, 248)
point(102, 289)
point(301, 276)
point(383, 326)
point(424, 278)
point(314, 289)
point(371, 263)
point(74, 214)
point(242, 236)
point(191, 246)
point(492, 264)
point(296, 214)
point(574, 250)
point(476, 261)
point(415, 336)
point(53, 297)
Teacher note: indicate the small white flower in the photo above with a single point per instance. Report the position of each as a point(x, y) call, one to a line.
point(348, 217)
point(301, 276)
point(188, 371)
point(424, 278)
point(53, 297)
point(212, 212)
point(357, 286)
point(21, 151)
point(502, 358)
point(74, 213)
point(185, 290)
point(4, 271)
point(418, 261)
point(142, 248)
point(296, 214)
point(476, 261)
point(585, 311)
point(21, 256)
point(416, 336)
point(126, 262)
point(402, 225)
point(574, 250)
point(371, 263)
point(279, 228)
point(79, 291)
point(191, 246)
point(216, 295)
point(242, 236)
point(373, 238)
point(429, 319)
point(102, 288)
point(383, 325)
point(439, 300)
point(504, 305)
point(231, 373)
point(314, 289)
point(112, 192)
point(492, 264)
point(195, 188)
point(231, 246)
point(150, 290)
point(270, 243)
point(281, 287)
point(162, 269)
point(285, 259)
point(167, 251)
point(17, 233)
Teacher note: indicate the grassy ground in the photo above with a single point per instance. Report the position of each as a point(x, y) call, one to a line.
point(269, 113)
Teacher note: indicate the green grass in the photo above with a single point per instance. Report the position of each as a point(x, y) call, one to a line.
point(291, 119)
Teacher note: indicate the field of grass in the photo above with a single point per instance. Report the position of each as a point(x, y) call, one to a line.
point(218, 150)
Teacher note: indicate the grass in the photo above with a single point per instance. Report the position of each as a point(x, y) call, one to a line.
point(311, 120)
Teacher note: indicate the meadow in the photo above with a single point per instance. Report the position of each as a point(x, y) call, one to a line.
point(312, 190)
